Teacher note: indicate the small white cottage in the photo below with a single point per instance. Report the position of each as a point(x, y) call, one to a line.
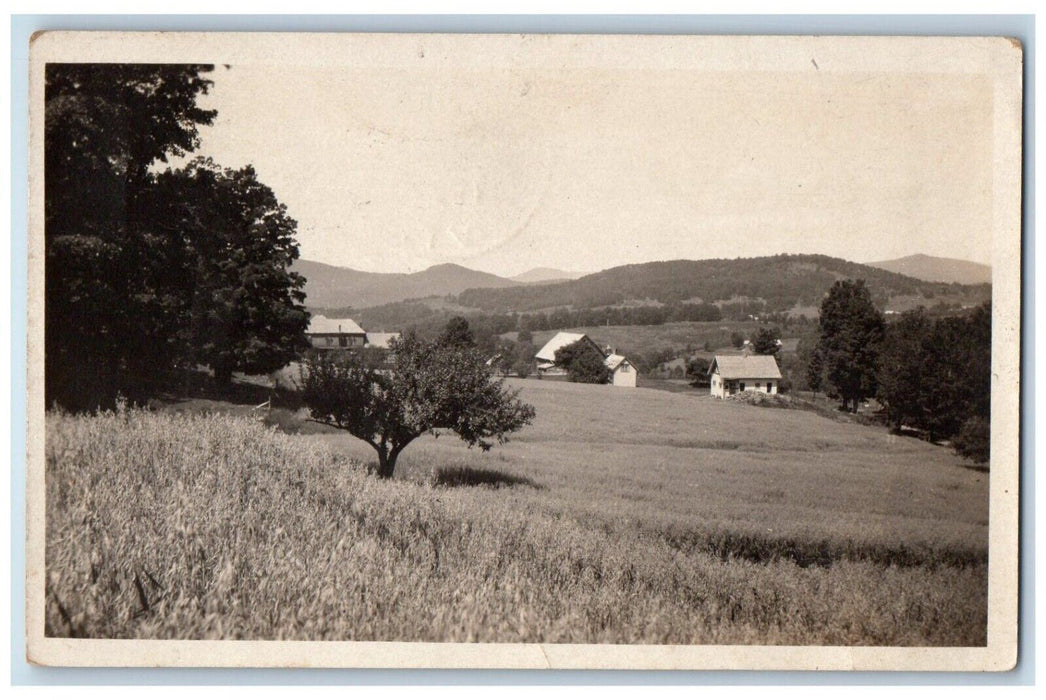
point(622, 373)
point(732, 374)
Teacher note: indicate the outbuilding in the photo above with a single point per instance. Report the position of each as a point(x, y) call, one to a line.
point(732, 374)
point(622, 373)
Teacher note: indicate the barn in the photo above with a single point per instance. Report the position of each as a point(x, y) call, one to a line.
point(622, 372)
point(732, 374)
point(546, 356)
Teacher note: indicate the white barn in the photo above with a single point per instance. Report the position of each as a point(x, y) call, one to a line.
point(732, 374)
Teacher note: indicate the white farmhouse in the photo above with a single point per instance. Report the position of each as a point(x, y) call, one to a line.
point(732, 374)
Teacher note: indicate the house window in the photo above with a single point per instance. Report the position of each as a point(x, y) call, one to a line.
point(330, 341)
point(624, 368)
point(343, 341)
point(742, 386)
point(769, 387)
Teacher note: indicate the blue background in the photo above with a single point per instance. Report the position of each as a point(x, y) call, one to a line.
point(22, 27)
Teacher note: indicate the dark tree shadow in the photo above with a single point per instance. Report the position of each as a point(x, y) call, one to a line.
point(471, 476)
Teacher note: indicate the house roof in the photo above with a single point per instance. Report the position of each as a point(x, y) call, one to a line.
point(322, 324)
point(559, 340)
point(381, 340)
point(614, 361)
point(745, 367)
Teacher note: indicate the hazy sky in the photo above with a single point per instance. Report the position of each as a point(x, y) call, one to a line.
point(396, 168)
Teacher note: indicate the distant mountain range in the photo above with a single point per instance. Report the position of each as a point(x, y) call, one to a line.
point(545, 274)
point(328, 286)
point(768, 284)
point(932, 269)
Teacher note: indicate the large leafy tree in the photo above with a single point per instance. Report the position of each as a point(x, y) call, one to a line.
point(851, 330)
point(105, 125)
point(902, 372)
point(583, 363)
point(427, 387)
point(146, 272)
point(936, 375)
point(243, 306)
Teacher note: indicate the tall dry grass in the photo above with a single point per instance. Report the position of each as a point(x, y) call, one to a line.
point(206, 526)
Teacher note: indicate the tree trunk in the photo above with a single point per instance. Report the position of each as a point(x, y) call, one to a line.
point(386, 461)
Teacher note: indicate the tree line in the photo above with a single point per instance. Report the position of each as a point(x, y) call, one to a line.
point(151, 271)
point(931, 375)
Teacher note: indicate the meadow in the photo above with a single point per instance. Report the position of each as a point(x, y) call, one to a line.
point(619, 516)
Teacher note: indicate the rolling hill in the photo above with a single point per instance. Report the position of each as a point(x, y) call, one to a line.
point(932, 269)
point(328, 286)
point(768, 284)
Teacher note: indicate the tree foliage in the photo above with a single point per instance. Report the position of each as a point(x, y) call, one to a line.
point(427, 387)
point(149, 272)
point(935, 375)
point(697, 371)
point(458, 333)
point(766, 341)
point(583, 363)
point(851, 329)
point(245, 307)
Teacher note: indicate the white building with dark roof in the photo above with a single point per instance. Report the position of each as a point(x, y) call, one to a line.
point(732, 374)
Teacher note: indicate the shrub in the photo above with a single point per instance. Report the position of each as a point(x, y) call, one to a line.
point(974, 440)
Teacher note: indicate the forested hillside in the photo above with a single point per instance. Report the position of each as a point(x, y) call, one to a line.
point(769, 284)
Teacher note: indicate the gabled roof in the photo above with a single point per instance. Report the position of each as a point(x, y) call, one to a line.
point(559, 340)
point(613, 361)
point(322, 324)
point(381, 340)
point(745, 367)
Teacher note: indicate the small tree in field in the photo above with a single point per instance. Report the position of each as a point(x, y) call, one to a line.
point(697, 371)
point(427, 387)
point(583, 363)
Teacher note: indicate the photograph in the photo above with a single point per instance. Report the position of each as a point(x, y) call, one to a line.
point(539, 350)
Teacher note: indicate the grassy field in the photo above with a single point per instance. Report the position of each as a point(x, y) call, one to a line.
point(625, 516)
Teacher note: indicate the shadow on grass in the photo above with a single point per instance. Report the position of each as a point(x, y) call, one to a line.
point(471, 476)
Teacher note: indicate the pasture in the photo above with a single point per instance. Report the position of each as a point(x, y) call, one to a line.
point(623, 516)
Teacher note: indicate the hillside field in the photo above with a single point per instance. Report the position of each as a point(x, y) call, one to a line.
point(624, 516)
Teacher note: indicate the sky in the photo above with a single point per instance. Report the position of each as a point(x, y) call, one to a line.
point(504, 166)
